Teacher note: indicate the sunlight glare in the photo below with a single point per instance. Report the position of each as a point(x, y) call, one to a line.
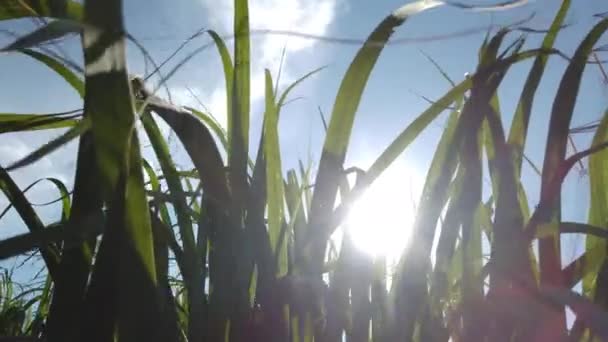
point(381, 221)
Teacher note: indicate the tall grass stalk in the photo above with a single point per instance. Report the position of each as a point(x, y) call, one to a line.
point(240, 249)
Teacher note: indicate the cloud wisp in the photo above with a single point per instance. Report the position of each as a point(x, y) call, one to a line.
point(312, 16)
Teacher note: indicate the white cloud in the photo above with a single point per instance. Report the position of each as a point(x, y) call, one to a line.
point(52, 166)
point(211, 101)
point(16, 148)
point(306, 16)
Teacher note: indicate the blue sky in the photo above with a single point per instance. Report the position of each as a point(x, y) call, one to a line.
point(389, 103)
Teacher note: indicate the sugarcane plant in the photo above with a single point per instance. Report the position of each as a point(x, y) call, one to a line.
point(236, 249)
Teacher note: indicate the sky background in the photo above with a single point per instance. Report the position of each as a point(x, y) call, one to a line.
point(390, 102)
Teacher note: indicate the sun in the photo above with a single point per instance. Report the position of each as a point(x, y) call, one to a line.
point(380, 222)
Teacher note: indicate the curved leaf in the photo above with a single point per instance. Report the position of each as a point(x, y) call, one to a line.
point(340, 128)
point(193, 277)
point(555, 153)
point(51, 146)
point(274, 176)
point(598, 215)
point(54, 30)
point(519, 125)
point(199, 144)
point(14, 9)
point(220, 133)
point(10, 122)
point(124, 266)
point(63, 191)
point(59, 68)
point(50, 253)
point(228, 76)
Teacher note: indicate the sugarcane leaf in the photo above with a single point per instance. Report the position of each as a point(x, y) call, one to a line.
point(14, 9)
point(598, 179)
point(128, 237)
point(342, 120)
point(193, 277)
point(50, 253)
point(69, 76)
point(52, 31)
point(10, 122)
point(519, 126)
point(81, 127)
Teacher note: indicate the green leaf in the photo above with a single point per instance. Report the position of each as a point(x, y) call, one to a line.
point(14, 9)
point(174, 184)
point(128, 233)
point(591, 314)
point(202, 149)
point(450, 225)
point(555, 152)
point(443, 73)
point(239, 132)
point(52, 234)
point(65, 312)
point(410, 283)
point(51, 146)
point(283, 96)
point(43, 307)
point(274, 176)
point(400, 143)
point(418, 125)
point(339, 131)
point(414, 129)
point(509, 212)
point(50, 253)
point(219, 132)
point(519, 125)
point(199, 145)
point(169, 330)
point(193, 277)
point(54, 30)
point(598, 180)
point(563, 106)
point(155, 184)
point(59, 68)
point(10, 122)
point(63, 191)
point(228, 77)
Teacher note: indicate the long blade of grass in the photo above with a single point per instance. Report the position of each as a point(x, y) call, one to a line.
point(449, 232)
point(408, 135)
point(193, 278)
point(59, 68)
point(54, 30)
point(561, 116)
point(591, 314)
point(65, 196)
point(65, 310)
point(228, 69)
point(219, 131)
point(14, 9)
point(239, 133)
point(52, 234)
point(341, 124)
point(519, 125)
point(51, 146)
point(169, 329)
point(50, 253)
point(155, 185)
point(205, 155)
point(409, 287)
point(197, 141)
point(595, 248)
point(10, 122)
point(128, 232)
